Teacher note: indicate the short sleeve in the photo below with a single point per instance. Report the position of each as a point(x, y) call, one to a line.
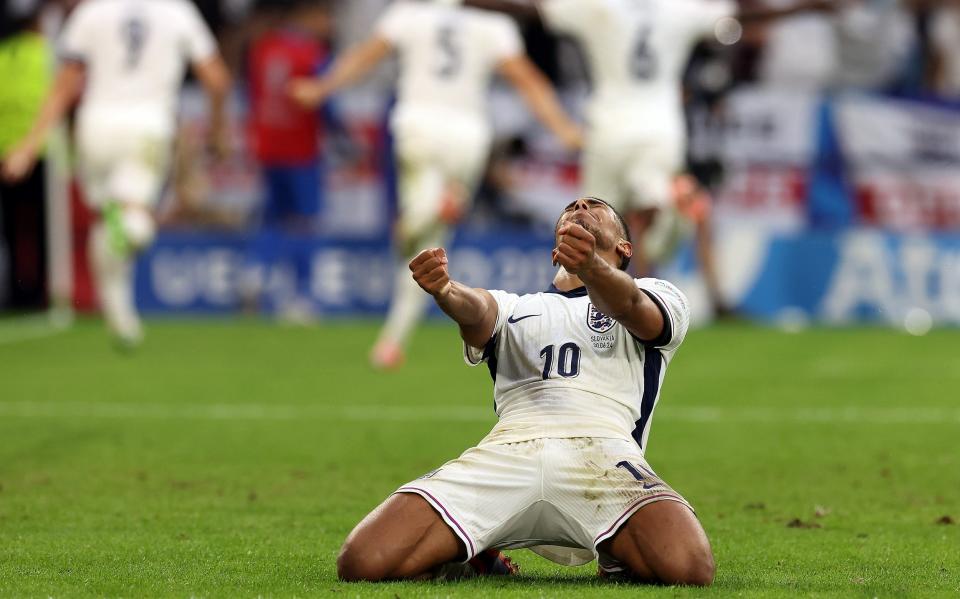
point(78, 35)
point(565, 16)
point(702, 16)
point(200, 44)
point(507, 42)
point(394, 21)
point(505, 304)
point(675, 308)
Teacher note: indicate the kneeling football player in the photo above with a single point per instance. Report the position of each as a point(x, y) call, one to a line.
point(577, 372)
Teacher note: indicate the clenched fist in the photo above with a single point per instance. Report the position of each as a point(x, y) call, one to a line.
point(429, 270)
point(576, 248)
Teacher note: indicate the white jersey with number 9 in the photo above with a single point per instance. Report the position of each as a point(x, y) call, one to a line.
point(135, 53)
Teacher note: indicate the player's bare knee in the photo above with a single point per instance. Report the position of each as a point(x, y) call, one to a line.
point(694, 568)
point(356, 563)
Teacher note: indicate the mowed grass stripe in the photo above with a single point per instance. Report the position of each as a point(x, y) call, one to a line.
point(417, 413)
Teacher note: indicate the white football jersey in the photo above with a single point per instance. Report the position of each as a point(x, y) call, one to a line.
point(447, 54)
point(563, 369)
point(636, 51)
point(135, 53)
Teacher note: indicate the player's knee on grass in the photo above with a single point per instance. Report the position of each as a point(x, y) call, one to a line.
point(358, 563)
point(664, 543)
point(693, 566)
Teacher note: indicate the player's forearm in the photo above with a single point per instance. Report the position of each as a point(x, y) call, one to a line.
point(215, 78)
point(615, 293)
point(65, 91)
point(474, 310)
point(542, 101)
point(355, 64)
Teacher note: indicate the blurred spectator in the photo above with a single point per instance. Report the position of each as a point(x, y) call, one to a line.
point(800, 50)
point(945, 49)
point(875, 38)
point(24, 70)
point(863, 44)
point(286, 138)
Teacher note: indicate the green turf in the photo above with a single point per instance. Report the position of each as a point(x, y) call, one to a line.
point(230, 459)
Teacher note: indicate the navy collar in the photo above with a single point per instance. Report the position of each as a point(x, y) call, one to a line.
point(578, 292)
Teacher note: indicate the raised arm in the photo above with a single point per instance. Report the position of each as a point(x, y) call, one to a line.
point(611, 290)
point(349, 68)
point(474, 310)
point(65, 91)
point(542, 100)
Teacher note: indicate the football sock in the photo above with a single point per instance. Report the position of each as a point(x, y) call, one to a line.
point(113, 271)
point(409, 303)
point(407, 307)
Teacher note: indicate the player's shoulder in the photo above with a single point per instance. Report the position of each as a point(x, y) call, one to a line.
point(662, 287)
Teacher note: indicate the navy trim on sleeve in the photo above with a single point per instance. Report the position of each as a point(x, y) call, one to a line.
point(490, 355)
point(667, 333)
point(652, 364)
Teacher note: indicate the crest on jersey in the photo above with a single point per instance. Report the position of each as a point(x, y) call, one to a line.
point(598, 321)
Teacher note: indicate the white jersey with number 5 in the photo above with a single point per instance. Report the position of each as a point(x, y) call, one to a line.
point(448, 55)
point(636, 50)
point(563, 369)
point(135, 53)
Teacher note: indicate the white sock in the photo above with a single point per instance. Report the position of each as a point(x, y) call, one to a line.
point(114, 279)
point(407, 307)
point(409, 302)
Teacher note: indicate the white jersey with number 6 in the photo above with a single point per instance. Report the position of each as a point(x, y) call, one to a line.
point(135, 53)
point(562, 369)
point(636, 50)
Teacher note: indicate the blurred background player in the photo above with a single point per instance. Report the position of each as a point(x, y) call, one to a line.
point(127, 58)
point(636, 53)
point(448, 55)
point(25, 72)
point(287, 141)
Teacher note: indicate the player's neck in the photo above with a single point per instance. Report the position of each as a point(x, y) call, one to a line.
point(565, 281)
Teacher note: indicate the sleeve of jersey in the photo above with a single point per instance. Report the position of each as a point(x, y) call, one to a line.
point(199, 40)
point(74, 42)
point(508, 41)
point(563, 16)
point(675, 308)
point(393, 21)
point(505, 304)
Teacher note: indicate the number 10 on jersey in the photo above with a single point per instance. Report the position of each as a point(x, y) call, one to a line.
point(567, 359)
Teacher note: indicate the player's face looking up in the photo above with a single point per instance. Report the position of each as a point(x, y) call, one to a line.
point(603, 222)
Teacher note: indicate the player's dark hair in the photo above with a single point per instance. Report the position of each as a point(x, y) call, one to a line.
point(624, 229)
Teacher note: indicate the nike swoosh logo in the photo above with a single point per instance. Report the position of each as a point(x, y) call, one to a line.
point(647, 487)
point(513, 320)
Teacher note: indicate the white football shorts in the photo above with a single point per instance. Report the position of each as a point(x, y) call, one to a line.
point(436, 148)
point(123, 157)
point(560, 497)
point(632, 172)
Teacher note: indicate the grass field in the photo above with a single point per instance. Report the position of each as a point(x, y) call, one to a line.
point(231, 459)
